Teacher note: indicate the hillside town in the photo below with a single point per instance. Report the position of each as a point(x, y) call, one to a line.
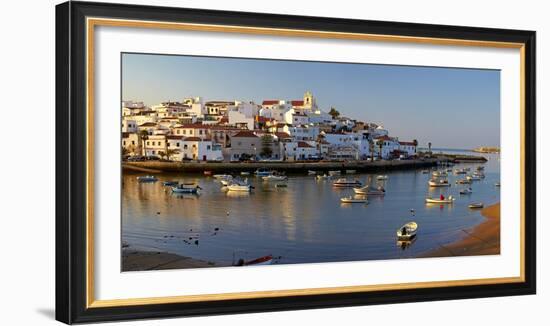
point(237, 131)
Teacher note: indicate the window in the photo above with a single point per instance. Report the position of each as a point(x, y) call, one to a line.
point(147, 143)
point(124, 143)
point(185, 146)
point(200, 132)
point(133, 142)
point(208, 147)
point(177, 144)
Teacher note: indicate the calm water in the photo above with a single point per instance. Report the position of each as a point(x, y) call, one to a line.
point(302, 223)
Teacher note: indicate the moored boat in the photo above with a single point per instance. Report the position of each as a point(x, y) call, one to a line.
point(265, 260)
point(311, 172)
point(274, 177)
point(351, 171)
point(466, 191)
point(186, 188)
point(475, 205)
point(448, 200)
point(439, 183)
point(380, 191)
point(333, 173)
point(239, 187)
point(207, 172)
point(382, 177)
point(322, 177)
point(497, 184)
point(263, 172)
point(460, 171)
point(343, 183)
point(407, 232)
point(222, 176)
point(245, 173)
point(354, 200)
point(170, 183)
point(147, 178)
point(463, 181)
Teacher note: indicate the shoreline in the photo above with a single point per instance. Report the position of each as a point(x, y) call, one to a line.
point(290, 167)
point(140, 260)
point(482, 239)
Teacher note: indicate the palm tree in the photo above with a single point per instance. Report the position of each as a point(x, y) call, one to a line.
point(380, 145)
point(415, 143)
point(371, 149)
point(430, 148)
point(143, 135)
point(334, 113)
point(170, 153)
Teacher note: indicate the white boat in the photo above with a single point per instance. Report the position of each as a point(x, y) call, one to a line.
point(370, 191)
point(439, 183)
point(475, 205)
point(439, 173)
point(350, 171)
point(147, 178)
point(460, 171)
point(407, 232)
point(333, 173)
point(466, 191)
point(353, 200)
point(225, 182)
point(425, 171)
point(322, 177)
point(463, 181)
point(448, 200)
point(497, 184)
point(239, 187)
point(343, 183)
point(311, 172)
point(245, 173)
point(186, 189)
point(473, 177)
point(274, 177)
point(222, 176)
point(382, 177)
point(263, 172)
point(479, 174)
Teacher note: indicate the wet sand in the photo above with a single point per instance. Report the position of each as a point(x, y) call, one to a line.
point(483, 239)
point(136, 260)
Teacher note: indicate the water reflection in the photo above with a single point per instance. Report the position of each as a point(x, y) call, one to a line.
point(304, 222)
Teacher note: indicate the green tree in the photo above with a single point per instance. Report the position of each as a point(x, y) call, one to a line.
point(170, 153)
point(371, 149)
point(162, 154)
point(267, 149)
point(334, 113)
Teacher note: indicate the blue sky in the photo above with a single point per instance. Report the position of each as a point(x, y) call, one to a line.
point(453, 108)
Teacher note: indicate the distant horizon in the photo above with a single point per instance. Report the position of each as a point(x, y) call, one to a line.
point(452, 108)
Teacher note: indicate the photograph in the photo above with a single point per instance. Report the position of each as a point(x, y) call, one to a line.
point(255, 161)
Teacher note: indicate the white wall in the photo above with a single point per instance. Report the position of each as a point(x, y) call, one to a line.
point(27, 236)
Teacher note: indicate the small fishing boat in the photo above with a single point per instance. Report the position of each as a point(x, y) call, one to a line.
point(439, 174)
point(245, 173)
point(479, 174)
point(265, 260)
point(225, 182)
point(449, 170)
point(170, 183)
point(147, 178)
point(333, 173)
point(475, 205)
point(382, 177)
point(274, 177)
point(425, 171)
point(186, 188)
point(263, 172)
point(460, 171)
point(311, 172)
point(463, 181)
point(466, 191)
point(439, 183)
point(239, 187)
point(467, 169)
point(480, 168)
point(222, 176)
point(354, 200)
point(207, 172)
point(407, 232)
point(370, 191)
point(497, 184)
point(280, 185)
point(344, 183)
point(448, 200)
point(473, 178)
point(350, 171)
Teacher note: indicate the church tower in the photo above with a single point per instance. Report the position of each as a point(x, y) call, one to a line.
point(309, 101)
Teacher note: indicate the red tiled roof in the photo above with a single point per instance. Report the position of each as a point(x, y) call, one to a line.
point(194, 126)
point(148, 124)
point(304, 145)
point(245, 134)
point(259, 118)
point(282, 135)
point(297, 103)
point(383, 138)
point(174, 137)
point(193, 139)
point(406, 143)
point(270, 102)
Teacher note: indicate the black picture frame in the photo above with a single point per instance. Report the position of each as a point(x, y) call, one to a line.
point(71, 200)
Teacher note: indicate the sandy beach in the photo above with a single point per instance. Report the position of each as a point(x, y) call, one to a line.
point(137, 260)
point(483, 239)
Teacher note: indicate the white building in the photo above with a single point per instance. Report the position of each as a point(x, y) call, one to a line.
point(238, 118)
point(388, 145)
point(129, 125)
point(407, 148)
point(193, 148)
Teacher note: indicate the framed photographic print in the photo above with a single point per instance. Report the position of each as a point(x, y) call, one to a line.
point(214, 162)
